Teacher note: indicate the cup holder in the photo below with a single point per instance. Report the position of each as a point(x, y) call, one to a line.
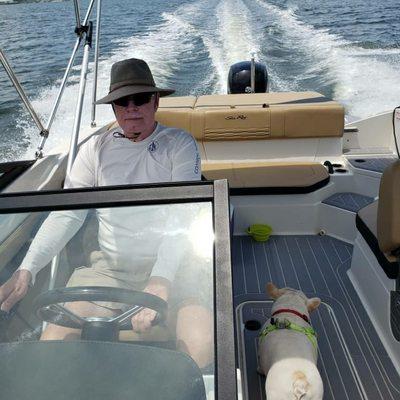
point(341, 170)
point(252, 325)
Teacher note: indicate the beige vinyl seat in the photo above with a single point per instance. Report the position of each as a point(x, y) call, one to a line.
point(379, 222)
point(225, 125)
point(268, 177)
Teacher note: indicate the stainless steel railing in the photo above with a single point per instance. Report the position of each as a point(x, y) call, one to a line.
point(78, 112)
point(78, 115)
point(64, 80)
point(21, 93)
point(96, 64)
point(81, 30)
point(77, 15)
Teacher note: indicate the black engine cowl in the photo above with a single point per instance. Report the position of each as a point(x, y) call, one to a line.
point(239, 78)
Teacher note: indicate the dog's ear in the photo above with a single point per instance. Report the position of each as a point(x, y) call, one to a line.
point(273, 291)
point(313, 304)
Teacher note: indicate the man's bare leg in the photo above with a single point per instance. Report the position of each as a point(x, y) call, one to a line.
point(195, 333)
point(81, 308)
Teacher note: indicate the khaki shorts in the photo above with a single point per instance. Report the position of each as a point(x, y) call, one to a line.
point(191, 284)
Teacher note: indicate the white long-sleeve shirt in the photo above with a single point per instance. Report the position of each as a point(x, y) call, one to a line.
point(132, 237)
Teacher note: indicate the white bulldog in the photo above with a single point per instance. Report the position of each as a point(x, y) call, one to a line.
point(287, 348)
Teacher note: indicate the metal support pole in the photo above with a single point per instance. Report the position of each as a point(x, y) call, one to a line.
point(18, 87)
point(75, 135)
point(88, 12)
point(96, 65)
point(79, 106)
point(78, 16)
point(53, 275)
point(39, 151)
point(253, 74)
point(55, 261)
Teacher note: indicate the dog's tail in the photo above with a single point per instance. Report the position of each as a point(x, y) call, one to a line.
point(300, 385)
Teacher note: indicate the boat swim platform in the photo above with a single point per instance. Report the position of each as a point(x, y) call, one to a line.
point(352, 360)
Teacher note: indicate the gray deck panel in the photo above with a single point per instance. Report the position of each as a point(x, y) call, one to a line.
point(311, 260)
point(260, 257)
point(238, 276)
point(345, 324)
point(297, 259)
point(286, 264)
point(348, 201)
point(273, 261)
point(252, 284)
point(376, 164)
point(338, 355)
point(370, 385)
point(318, 266)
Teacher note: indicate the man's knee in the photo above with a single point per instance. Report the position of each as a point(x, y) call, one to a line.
point(195, 333)
point(55, 332)
point(82, 309)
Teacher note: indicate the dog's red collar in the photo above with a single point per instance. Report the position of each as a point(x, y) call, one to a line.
point(288, 310)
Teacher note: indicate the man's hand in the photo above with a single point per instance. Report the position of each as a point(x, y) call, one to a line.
point(14, 289)
point(157, 286)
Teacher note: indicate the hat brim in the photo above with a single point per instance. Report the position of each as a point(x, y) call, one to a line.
point(132, 89)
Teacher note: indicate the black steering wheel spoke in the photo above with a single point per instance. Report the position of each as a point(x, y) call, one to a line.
point(60, 315)
point(123, 319)
point(48, 307)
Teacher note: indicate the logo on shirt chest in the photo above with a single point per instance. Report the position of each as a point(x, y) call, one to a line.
point(153, 146)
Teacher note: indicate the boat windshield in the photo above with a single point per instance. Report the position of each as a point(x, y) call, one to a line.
point(136, 282)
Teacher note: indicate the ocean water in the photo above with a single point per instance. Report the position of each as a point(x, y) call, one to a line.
point(348, 50)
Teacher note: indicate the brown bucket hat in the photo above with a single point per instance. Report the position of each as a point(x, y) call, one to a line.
point(130, 77)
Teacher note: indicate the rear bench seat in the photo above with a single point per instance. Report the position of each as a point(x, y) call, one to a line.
point(379, 222)
point(268, 177)
point(234, 133)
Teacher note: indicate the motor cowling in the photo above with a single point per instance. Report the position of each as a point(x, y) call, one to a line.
point(239, 78)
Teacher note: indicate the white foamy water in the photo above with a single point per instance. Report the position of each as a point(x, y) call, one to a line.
point(164, 48)
point(363, 79)
point(233, 41)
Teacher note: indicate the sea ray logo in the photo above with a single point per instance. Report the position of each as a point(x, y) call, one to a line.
point(153, 146)
point(240, 116)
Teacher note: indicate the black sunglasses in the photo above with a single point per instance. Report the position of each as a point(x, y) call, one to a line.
point(138, 99)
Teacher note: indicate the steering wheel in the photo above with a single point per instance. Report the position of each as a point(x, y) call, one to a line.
point(48, 308)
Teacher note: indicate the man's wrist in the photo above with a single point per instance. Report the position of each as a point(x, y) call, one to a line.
point(26, 274)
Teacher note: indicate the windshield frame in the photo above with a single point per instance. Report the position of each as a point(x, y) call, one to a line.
point(215, 192)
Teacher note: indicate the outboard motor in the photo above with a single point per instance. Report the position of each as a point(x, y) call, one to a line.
point(241, 79)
